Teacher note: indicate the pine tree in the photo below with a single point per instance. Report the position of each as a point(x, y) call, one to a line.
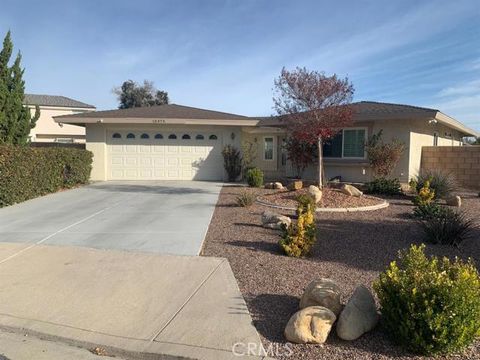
point(15, 118)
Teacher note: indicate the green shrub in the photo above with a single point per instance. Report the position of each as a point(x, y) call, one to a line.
point(26, 172)
point(425, 194)
point(232, 162)
point(245, 199)
point(298, 239)
point(384, 186)
point(441, 182)
point(254, 177)
point(430, 305)
point(306, 201)
point(428, 211)
point(448, 227)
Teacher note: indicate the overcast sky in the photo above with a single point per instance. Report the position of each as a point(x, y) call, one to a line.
point(224, 55)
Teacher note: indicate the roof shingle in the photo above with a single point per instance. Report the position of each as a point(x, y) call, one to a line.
point(170, 111)
point(54, 100)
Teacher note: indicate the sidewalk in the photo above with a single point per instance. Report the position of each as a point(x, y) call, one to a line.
point(135, 305)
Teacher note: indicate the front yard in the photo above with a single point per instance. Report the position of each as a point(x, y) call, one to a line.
point(351, 248)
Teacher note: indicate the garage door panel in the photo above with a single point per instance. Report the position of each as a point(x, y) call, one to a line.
point(163, 159)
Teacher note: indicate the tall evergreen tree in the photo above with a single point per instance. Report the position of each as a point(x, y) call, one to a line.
point(15, 118)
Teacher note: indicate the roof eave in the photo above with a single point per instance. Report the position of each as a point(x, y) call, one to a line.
point(69, 119)
point(455, 124)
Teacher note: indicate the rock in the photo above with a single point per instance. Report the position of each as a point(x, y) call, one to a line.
point(271, 220)
point(269, 185)
point(351, 190)
point(322, 292)
point(278, 185)
point(359, 315)
point(315, 193)
point(310, 325)
point(454, 201)
point(295, 185)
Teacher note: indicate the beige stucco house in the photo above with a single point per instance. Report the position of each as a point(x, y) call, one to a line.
point(174, 142)
point(46, 129)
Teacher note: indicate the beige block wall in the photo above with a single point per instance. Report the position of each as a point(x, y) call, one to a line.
point(47, 130)
point(463, 162)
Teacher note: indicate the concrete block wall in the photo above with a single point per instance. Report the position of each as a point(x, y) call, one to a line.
point(462, 161)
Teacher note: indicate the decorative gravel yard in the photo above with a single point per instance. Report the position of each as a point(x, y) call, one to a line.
point(352, 249)
point(332, 198)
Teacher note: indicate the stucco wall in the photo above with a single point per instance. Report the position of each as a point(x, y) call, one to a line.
point(47, 130)
point(96, 143)
point(421, 135)
point(463, 162)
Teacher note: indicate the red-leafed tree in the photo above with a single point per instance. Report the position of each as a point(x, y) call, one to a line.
point(315, 106)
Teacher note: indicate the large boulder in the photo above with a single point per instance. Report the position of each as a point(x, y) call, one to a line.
point(454, 201)
point(322, 292)
point(310, 325)
point(351, 190)
point(315, 193)
point(295, 185)
point(359, 315)
point(277, 185)
point(272, 220)
point(269, 185)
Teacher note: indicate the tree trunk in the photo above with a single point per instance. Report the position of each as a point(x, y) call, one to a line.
point(320, 163)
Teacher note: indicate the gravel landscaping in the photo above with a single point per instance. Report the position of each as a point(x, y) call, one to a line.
point(331, 198)
point(352, 248)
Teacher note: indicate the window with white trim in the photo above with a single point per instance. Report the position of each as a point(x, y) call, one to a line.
point(348, 144)
point(268, 148)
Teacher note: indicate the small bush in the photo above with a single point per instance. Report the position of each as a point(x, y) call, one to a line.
point(425, 194)
point(298, 239)
point(448, 227)
point(383, 157)
point(306, 201)
point(245, 199)
point(232, 162)
point(428, 211)
point(384, 186)
point(254, 177)
point(430, 305)
point(442, 183)
point(27, 172)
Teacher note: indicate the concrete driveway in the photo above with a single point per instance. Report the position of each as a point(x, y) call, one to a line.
point(163, 217)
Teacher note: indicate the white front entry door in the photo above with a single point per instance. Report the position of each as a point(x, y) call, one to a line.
point(168, 155)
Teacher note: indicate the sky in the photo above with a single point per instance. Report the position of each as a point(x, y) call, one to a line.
point(225, 55)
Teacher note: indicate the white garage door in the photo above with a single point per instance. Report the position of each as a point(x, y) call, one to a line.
point(149, 155)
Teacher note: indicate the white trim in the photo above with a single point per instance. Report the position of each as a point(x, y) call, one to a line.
point(366, 138)
point(273, 148)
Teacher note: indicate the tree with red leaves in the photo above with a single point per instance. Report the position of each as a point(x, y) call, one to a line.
point(315, 106)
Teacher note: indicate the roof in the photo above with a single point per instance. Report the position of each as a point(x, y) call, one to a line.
point(167, 111)
point(55, 100)
point(366, 110)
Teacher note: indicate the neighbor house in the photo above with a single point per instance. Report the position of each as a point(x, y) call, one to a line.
point(174, 142)
point(46, 129)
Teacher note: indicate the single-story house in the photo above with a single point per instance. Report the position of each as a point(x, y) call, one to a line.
point(174, 142)
point(46, 129)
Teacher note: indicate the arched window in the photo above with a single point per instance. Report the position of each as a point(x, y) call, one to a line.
point(158, 136)
point(199, 137)
point(130, 136)
point(116, 136)
point(213, 137)
point(145, 136)
point(186, 137)
point(172, 136)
